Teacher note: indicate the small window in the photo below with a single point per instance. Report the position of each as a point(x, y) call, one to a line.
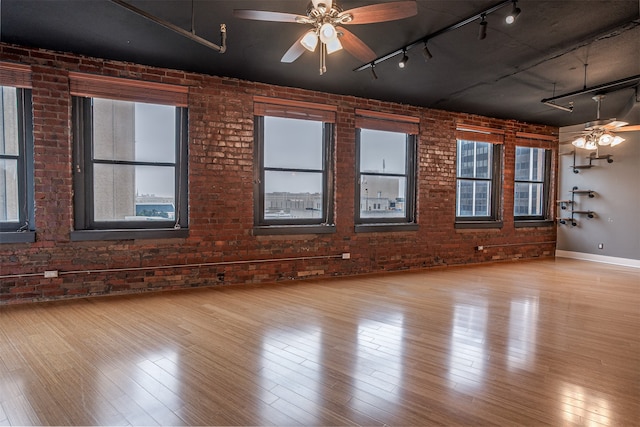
point(130, 167)
point(531, 192)
point(478, 175)
point(16, 164)
point(293, 166)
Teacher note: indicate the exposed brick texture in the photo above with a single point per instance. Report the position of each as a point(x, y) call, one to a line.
point(221, 197)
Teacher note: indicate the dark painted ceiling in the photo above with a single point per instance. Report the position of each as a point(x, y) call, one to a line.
point(505, 75)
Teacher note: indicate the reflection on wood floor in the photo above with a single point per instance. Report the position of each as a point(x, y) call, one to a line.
point(541, 342)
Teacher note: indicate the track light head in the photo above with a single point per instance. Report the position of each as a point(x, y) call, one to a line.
point(403, 61)
point(374, 76)
point(515, 11)
point(482, 32)
point(426, 53)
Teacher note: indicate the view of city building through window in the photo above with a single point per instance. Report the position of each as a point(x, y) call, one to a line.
point(383, 174)
point(473, 190)
point(134, 152)
point(529, 185)
point(293, 168)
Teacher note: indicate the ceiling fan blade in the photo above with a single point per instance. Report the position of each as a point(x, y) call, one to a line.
point(355, 46)
point(633, 128)
point(264, 15)
point(613, 125)
point(382, 12)
point(295, 51)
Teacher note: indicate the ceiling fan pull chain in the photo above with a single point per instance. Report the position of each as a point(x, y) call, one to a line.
point(323, 58)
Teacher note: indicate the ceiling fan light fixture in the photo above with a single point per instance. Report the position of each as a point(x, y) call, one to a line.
point(310, 41)
point(591, 145)
point(579, 142)
point(515, 11)
point(328, 33)
point(617, 140)
point(333, 45)
point(605, 139)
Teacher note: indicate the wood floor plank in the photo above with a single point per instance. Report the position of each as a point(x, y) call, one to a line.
point(547, 342)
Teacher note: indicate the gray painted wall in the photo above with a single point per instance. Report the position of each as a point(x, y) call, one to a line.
point(616, 202)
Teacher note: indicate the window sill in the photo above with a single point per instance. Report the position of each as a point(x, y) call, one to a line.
point(478, 224)
point(385, 227)
point(266, 230)
point(533, 223)
point(17, 237)
point(152, 233)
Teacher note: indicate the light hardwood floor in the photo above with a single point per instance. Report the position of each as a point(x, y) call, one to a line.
point(529, 343)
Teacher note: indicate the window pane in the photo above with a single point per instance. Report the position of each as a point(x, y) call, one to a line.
point(9, 123)
point(293, 143)
point(473, 198)
point(528, 199)
point(133, 131)
point(474, 159)
point(523, 163)
point(292, 195)
point(382, 196)
point(9, 205)
point(125, 192)
point(537, 164)
point(383, 152)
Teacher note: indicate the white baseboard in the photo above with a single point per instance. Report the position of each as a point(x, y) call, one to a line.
point(599, 258)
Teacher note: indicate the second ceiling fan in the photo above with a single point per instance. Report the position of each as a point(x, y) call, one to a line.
point(327, 32)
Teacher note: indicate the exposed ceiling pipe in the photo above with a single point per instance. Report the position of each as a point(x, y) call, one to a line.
point(223, 28)
point(622, 82)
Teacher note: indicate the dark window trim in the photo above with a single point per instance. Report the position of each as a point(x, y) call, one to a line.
point(17, 237)
point(324, 224)
point(375, 224)
point(25, 171)
point(276, 230)
point(83, 184)
point(534, 223)
point(479, 224)
point(495, 219)
point(385, 227)
point(546, 188)
point(128, 234)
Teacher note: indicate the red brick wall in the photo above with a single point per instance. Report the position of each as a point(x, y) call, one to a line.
point(221, 202)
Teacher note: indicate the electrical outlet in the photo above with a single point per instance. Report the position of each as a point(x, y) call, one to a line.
point(346, 255)
point(600, 245)
point(50, 274)
point(480, 248)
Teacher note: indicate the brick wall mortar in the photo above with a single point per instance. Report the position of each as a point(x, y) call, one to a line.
point(221, 195)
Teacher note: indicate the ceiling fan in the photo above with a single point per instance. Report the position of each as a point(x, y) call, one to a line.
point(327, 20)
point(602, 132)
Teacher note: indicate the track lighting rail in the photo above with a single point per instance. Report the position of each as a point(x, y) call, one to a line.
point(428, 37)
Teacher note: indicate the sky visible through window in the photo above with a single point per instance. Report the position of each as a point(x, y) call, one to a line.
point(155, 142)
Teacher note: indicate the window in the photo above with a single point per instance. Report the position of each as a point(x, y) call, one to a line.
point(478, 175)
point(16, 156)
point(385, 168)
point(532, 172)
point(130, 165)
point(293, 191)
